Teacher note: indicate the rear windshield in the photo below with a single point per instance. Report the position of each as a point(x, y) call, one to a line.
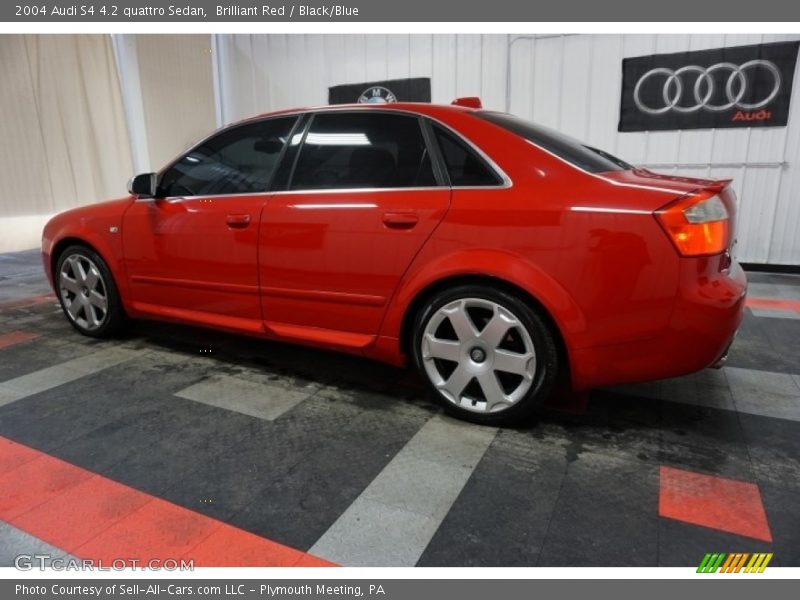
point(571, 150)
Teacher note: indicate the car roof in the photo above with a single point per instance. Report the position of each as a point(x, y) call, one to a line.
point(423, 108)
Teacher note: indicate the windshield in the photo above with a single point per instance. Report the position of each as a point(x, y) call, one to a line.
point(571, 150)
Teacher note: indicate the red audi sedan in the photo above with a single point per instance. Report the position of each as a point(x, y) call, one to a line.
point(498, 256)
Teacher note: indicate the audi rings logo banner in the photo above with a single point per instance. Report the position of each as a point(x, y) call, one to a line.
point(744, 86)
point(417, 89)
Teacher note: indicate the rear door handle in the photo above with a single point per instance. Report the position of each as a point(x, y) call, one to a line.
point(400, 220)
point(238, 221)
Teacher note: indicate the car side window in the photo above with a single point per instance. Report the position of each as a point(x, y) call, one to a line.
point(239, 160)
point(363, 150)
point(464, 166)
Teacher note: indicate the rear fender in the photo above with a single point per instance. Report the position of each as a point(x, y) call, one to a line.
point(505, 266)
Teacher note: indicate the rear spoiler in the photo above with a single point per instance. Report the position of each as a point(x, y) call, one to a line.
point(712, 185)
point(718, 185)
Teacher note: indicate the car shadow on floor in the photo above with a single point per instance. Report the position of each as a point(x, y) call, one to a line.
point(624, 425)
point(613, 412)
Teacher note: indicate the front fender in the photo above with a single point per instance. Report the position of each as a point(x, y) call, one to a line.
point(98, 226)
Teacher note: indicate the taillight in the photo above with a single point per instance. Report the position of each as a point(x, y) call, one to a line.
point(697, 224)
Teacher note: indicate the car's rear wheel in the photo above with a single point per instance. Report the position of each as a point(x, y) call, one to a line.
point(489, 356)
point(87, 292)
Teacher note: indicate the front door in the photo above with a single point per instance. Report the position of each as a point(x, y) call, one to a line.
point(193, 253)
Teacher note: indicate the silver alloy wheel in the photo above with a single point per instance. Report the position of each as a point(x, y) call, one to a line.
point(478, 355)
point(83, 292)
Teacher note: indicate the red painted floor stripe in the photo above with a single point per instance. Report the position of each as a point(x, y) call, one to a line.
point(16, 337)
point(715, 502)
point(229, 547)
point(81, 512)
point(34, 483)
point(12, 455)
point(774, 303)
point(93, 517)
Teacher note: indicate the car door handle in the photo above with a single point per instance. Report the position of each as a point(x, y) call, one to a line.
point(237, 221)
point(400, 220)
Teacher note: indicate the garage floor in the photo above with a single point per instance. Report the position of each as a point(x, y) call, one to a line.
point(177, 442)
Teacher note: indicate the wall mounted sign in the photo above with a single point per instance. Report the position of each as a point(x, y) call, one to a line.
point(743, 86)
point(417, 89)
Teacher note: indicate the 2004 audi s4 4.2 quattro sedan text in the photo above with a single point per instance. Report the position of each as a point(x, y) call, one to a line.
point(500, 257)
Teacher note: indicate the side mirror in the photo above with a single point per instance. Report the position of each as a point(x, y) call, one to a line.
point(144, 185)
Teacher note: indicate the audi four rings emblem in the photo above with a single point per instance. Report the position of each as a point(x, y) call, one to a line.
point(735, 88)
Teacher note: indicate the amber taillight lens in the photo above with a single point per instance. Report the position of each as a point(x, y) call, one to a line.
point(698, 224)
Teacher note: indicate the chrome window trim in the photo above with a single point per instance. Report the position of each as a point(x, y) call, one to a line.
point(371, 190)
point(252, 120)
point(350, 110)
point(507, 181)
point(177, 198)
point(223, 129)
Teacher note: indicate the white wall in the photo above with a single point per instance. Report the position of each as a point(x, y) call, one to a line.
point(177, 90)
point(63, 131)
point(570, 82)
point(573, 83)
point(167, 85)
point(82, 113)
point(258, 73)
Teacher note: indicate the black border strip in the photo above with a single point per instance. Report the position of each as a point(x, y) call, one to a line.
point(770, 268)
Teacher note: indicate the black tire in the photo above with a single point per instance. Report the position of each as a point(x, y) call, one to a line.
point(545, 371)
point(113, 318)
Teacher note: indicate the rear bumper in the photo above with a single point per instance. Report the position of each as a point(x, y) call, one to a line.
point(724, 358)
point(708, 309)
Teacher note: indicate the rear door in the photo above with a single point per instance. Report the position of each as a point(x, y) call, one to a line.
point(361, 200)
point(193, 253)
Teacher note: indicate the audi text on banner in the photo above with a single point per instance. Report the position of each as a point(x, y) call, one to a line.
point(744, 86)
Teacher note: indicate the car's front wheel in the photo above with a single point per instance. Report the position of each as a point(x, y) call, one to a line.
point(489, 356)
point(87, 292)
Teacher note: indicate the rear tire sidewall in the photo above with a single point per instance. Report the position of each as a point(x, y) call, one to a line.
point(547, 356)
point(115, 317)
